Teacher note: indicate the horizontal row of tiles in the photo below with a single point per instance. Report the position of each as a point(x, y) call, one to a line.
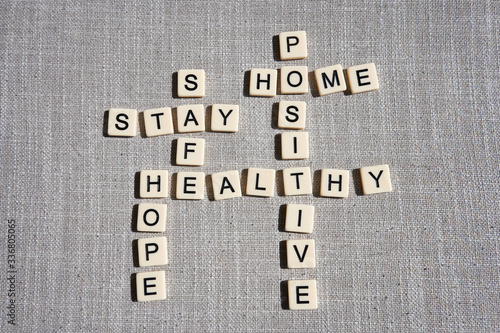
point(293, 80)
point(191, 118)
point(152, 217)
point(260, 182)
point(151, 286)
point(152, 251)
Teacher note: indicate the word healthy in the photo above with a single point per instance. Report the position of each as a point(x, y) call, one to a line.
point(190, 185)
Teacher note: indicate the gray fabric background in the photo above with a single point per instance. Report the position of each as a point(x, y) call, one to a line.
point(423, 258)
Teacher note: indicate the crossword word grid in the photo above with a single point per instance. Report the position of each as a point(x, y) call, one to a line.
point(190, 152)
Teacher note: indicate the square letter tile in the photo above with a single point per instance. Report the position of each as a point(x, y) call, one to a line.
point(299, 218)
point(362, 78)
point(297, 181)
point(190, 118)
point(150, 286)
point(153, 184)
point(225, 118)
point(376, 179)
point(260, 182)
point(151, 217)
point(191, 83)
point(293, 45)
point(263, 82)
point(300, 253)
point(158, 122)
point(190, 151)
point(294, 80)
point(122, 122)
point(226, 185)
point(294, 145)
point(292, 115)
point(152, 251)
point(330, 80)
point(334, 183)
point(302, 295)
point(190, 185)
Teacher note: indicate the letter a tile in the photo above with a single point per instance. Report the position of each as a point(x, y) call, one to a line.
point(190, 118)
point(226, 185)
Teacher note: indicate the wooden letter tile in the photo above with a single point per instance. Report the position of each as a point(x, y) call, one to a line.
point(362, 78)
point(334, 183)
point(158, 122)
point(294, 145)
point(263, 82)
point(294, 80)
point(293, 45)
point(190, 118)
point(152, 251)
point(299, 218)
point(151, 217)
point(300, 253)
point(302, 295)
point(376, 179)
point(226, 185)
point(292, 115)
point(330, 80)
point(190, 185)
point(260, 182)
point(150, 286)
point(153, 184)
point(225, 118)
point(190, 151)
point(191, 83)
point(297, 181)
point(122, 122)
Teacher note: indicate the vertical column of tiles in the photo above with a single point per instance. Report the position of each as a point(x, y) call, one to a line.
point(226, 185)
